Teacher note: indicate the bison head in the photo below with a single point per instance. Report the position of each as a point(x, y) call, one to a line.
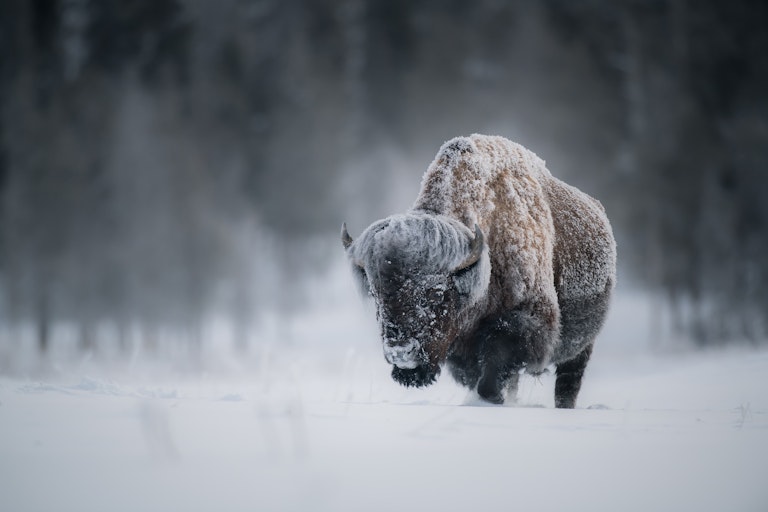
point(424, 272)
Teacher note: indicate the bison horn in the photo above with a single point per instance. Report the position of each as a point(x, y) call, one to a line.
point(475, 250)
point(345, 238)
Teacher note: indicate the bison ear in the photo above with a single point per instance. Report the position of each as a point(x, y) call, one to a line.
point(346, 240)
point(475, 251)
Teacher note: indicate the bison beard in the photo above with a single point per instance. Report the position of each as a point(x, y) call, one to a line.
point(418, 377)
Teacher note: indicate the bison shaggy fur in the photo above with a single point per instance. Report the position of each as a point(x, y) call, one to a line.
point(498, 269)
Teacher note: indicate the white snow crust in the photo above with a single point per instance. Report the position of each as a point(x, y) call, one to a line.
point(534, 222)
point(433, 244)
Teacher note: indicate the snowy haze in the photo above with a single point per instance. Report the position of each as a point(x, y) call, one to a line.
point(179, 329)
point(318, 425)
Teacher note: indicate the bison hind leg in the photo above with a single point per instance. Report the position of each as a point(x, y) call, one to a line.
point(581, 321)
point(569, 375)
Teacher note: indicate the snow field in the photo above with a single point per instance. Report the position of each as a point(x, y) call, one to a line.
point(688, 434)
point(316, 424)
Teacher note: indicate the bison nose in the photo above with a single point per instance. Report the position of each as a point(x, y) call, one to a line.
point(403, 356)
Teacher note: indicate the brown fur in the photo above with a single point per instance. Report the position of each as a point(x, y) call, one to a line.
point(546, 239)
point(536, 294)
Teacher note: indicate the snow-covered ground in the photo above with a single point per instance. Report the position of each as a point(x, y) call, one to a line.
point(320, 426)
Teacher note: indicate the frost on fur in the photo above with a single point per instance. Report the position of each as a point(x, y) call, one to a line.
point(497, 268)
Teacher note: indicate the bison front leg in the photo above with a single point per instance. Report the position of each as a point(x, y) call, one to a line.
point(510, 343)
point(492, 384)
point(498, 385)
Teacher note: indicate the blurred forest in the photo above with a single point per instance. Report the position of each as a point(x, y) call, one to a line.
point(164, 162)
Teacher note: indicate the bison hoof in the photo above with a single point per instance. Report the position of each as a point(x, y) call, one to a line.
point(494, 398)
point(491, 395)
point(418, 377)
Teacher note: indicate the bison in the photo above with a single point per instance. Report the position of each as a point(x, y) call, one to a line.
point(498, 269)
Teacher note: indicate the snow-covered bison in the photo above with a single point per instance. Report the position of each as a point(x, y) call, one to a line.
point(498, 269)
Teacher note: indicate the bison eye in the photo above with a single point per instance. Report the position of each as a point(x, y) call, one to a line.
point(436, 295)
